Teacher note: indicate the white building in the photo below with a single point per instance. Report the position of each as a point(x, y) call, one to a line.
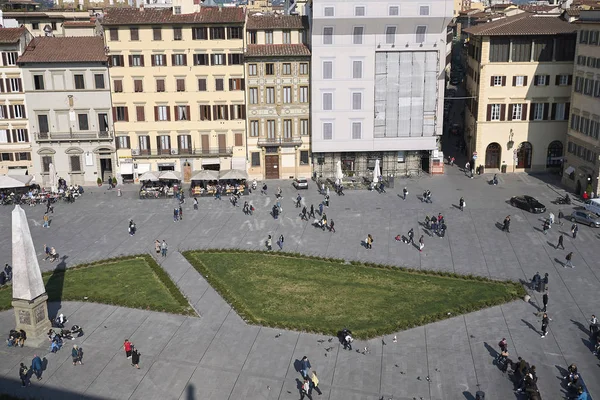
point(377, 84)
point(69, 108)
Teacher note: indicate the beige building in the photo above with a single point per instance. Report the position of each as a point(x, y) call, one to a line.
point(582, 162)
point(519, 77)
point(15, 139)
point(69, 109)
point(177, 83)
point(48, 23)
point(278, 67)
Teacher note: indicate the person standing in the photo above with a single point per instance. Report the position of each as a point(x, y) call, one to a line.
point(461, 204)
point(269, 243)
point(331, 227)
point(24, 375)
point(280, 242)
point(135, 357)
point(175, 214)
point(80, 355)
point(46, 221)
point(569, 258)
point(593, 325)
point(560, 242)
point(47, 251)
point(36, 366)
point(163, 248)
point(506, 224)
point(321, 208)
point(545, 301)
point(75, 354)
point(545, 322)
point(157, 246)
point(195, 204)
point(551, 219)
point(298, 201)
point(180, 213)
point(369, 241)
point(574, 230)
point(127, 347)
point(315, 382)
point(421, 243)
point(404, 193)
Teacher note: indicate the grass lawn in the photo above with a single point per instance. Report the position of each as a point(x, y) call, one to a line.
point(134, 282)
point(310, 294)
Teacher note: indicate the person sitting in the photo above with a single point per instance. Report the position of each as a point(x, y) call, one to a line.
point(12, 338)
point(2, 278)
point(56, 344)
point(8, 272)
point(60, 321)
point(22, 338)
point(76, 330)
point(51, 334)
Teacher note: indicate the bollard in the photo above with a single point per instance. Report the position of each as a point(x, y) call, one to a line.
point(119, 194)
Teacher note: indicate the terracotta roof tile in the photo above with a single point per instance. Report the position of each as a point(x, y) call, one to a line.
point(78, 23)
point(207, 15)
point(64, 49)
point(523, 24)
point(275, 21)
point(11, 35)
point(276, 50)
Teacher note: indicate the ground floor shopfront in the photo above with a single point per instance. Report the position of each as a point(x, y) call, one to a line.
point(581, 165)
point(279, 162)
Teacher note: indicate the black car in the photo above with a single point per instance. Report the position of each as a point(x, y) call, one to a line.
point(528, 203)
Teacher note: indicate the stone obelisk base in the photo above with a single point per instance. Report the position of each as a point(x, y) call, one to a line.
point(32, 317)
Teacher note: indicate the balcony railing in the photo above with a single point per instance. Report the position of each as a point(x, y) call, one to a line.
point(73, 136)
point(166, 153)
point(279, 141)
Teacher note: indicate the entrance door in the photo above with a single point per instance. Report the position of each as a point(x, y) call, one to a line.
point(271, 167)
point(425, 161)
point(187, 171)
point(105, 168)
point(492, 155)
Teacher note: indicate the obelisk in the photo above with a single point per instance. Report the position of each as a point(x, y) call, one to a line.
point(30, 300)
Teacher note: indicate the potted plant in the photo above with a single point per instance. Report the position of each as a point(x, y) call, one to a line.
point(114, 181)
point(99, 181)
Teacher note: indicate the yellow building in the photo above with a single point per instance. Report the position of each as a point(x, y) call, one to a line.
point(51, 23)
point(277, 66)
point(519, 77)
point(177, 84)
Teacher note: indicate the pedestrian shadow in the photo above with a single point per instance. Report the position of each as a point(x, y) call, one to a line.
point(493, 352)
point(538, 229)
point(563, 382)
point(297, 366)
point(589, 344)
point(190, 395)
point(560, 262)
point(468, 395)
point(500, 226)
point(55, 285)
point(530, 326)
point(299, 385)
point(551, 244)
point(581, 327)
point(455, 206)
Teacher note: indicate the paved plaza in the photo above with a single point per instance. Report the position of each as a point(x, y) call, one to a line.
point(217, 356)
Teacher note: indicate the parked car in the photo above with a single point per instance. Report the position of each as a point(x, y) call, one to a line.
point(586, 217)
point(528, 203)
point(301, 183)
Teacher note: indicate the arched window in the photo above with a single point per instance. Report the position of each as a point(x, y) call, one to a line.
point(555, 153)
point(524, 155)
point(493, 155)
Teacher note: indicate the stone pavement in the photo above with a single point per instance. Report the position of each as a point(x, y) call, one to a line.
point(217, 356)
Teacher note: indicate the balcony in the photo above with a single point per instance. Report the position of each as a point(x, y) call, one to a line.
point(82, 136)
point(279, 141)
point(168, 153)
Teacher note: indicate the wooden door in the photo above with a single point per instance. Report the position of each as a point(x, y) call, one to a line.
point(222, 143)
point(271, 167)
point(205, 144)
point(187, 171)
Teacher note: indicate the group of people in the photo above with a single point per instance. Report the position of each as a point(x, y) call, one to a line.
point(50, 253)
point(16, 338)
point(310, 382)
point(161, 247)
point(6, 275)
point(132, 353)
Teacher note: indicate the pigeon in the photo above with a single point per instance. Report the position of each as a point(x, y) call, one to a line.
point(395, 339)
point(329, 349)
point(401, 373)
point(268, 387)
point(428, 380)
point(383, 342)
point(330, 340)
point(437, 370)
point(325, 354)
point(418, 378)
point(396, 365)
point(279, 334)
point(472, 337)
point(321, 340)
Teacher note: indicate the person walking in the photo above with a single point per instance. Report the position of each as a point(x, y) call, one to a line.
point(269, 243)
point(404, 193)
point(574, 230)
point(303, 215)
point(593, 325)
point(163, 248)
point(331, 227)
point(545, 301)
point(544, 283)
point(506, 224)
point(24, 375)
point(312, 211)
point(369, 241)
point(195, 204)
point(80, 355)
point(180, 213)
point(321, 208)
point(75, 354)
point(421, 243)
point(36, 366)
point(47, 251)
point(46, 221)
point(551, 219)
point(127, 347)
point(569, 263)
point(305, 366)
point(175, 214)
point(546, 227)
point(305, 390)
point(461, 204)
point(411, 237)
point(280, 242)
point(298, 201)
point(315, 382)
point(135, 357)
point(560, 242)
point(545, 322)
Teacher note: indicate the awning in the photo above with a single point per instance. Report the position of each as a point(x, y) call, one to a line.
point(168, 176)
point(149, 176)
point(569, 170)
point(141, 168)
point(126, 169)
point(7, 182)
point(205, 175)
point(233, 174)
point(210, 161)
point(17, 171)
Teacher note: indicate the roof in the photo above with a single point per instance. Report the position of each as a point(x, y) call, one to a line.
point(11, 35)
point(79, 23)
point(573, 12)
point(211, 15)
point(523, 24)
point(274, 21)
point(64, 49)
point(539, 8)
point(276, 50)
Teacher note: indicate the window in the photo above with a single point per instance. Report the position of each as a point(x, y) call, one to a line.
point(303, 68)
point(201, 59)
point(182, 113)
point(121, 114)
point(393, 10)
point(269, 69)
point(357, 101)
point(327, 69)
point(220, 112)
point(424, 10)
point(286, 69)
point(161, 113)
point(75, 161)
point(38, 82)
point(287, 128)
point(99, 81)
point(134, 34)
point(359, 11)
point(21, 135)
point(4, 136)
point(303, 94)
point(269, 37)
point(328, 11)
point(538, 111)
point(255, 158)
point(495, 112)
point(35, 26)
point(117, 61)
point(420, 33)
point(138, 85)
point(217, 59)
point(254, 128)
point(252, 37)
point(327, 35)
point(517, 111)
point(237, 111)
point(184, 143)
point(82, 119)
point(123, 142)
point(163, 144)
point(140, 113)
point(357, 67)
point(540, 80)
point(144, 144)
point(118, 85)
point(519, 81)
point(287, 94)
point(219, 84)
point(235, 32)
point(179, 59)
point(43, 125)
point(578, 84)
point(356, 130)
point(560, 113)
point(17, 111)
point(270, 129)
point(136, 60)
point(270, 95)
point(252, 71)
point(160, 85)
point(390, 34)
point(327, 101)
point(202, 84)
point(236, 84)
point(14, 85)
point(287, 36)
point(217, 33)
point(498, 80)
point(6, 157)
point(235, 59)
point(304, 127)
point(205, 113)
point(10, 58)
point(563, 80)
point(177, 35)
point(304, 157)
point(114, 34)
point(200, 33)
point(157, 33)
point(253, 93)
point(357, 34)
point(327, 130)
point(180, 84)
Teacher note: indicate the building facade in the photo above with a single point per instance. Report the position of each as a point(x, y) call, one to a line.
point(15, 139)
point(69, 108)
point(582, 162)
point(47, 23)
point(277, 62)
point(177, 83)
point(519, 77)
point(377, 85)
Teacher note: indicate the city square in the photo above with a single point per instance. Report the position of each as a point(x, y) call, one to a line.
point(218, 355)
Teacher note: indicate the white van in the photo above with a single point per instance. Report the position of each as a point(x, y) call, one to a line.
point(593, 205)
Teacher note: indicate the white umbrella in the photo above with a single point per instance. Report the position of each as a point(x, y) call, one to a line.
point(233, 174)
point(8, 182)
point(149, 176)
point(205, 175)
point(339, 175)
point(53, 179)
point(376, 172)
point(168, 176)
